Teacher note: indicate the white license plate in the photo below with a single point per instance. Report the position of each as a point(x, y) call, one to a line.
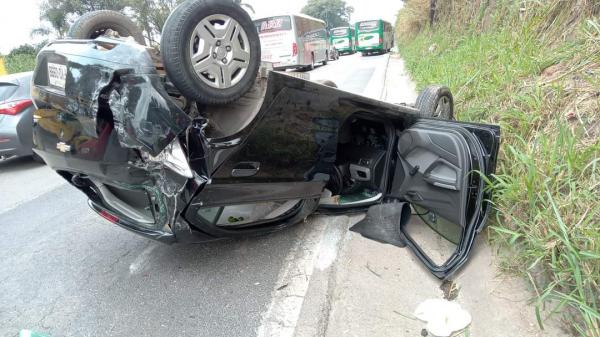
point(57, 74)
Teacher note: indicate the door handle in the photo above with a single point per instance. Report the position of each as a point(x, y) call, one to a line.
point(442, 183)
point(245, 169)
point(446, 178)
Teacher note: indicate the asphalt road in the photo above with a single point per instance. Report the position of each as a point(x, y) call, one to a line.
point(355, 73)
point(67, 272)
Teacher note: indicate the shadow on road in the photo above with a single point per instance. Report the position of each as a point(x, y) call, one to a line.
point(230, 255)
point(18, 164)
point(374, 55)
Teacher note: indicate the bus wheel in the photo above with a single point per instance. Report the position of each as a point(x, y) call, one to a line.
point(311, 66)
point(210, 50)
point(436, 101)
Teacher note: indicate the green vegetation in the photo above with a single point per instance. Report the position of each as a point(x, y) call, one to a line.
point(19, 63)
point(335, 13)
point(533, 68)
point(150, 15)
point(22, 58)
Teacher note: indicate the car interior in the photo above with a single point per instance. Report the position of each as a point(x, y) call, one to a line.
point(362, 159)
point(357, 178)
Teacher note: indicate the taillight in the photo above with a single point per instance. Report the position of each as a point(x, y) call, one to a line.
point(109, 216)
point(380, 40)
point(294, 49)
point(14, 107)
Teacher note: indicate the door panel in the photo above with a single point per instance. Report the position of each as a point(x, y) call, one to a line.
point(438, 170)
point(431, 171)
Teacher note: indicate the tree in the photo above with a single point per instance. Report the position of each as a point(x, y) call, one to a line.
point(22, 58)
point(25, 49)
point(151, 15)
point(334, 12)
point(58, 12)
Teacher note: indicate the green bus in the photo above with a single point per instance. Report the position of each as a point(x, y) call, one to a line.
point(374, 36)
point(342, 39)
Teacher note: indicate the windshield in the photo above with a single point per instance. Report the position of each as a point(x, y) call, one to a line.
point(337, 32)
point(368, 25)
point(273, 24)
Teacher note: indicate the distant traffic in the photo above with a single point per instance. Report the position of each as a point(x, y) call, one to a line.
point(299, 41)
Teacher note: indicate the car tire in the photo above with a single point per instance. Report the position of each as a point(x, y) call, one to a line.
point(227, 66)
point(93, 24)
point(436, 101)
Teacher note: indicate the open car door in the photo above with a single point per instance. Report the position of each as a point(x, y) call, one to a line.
point(440, 171)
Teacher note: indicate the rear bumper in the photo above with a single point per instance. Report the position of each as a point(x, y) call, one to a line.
point(176, 229)
point(370, 48)
point(287, 63)
point(158, 235)
point(15, 135)
point(9, 144)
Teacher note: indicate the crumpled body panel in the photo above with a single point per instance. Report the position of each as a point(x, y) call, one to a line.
point(122, 80)
point(145, 118)
point(101, 130)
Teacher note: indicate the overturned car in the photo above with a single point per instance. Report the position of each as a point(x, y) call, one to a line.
point(200, 142)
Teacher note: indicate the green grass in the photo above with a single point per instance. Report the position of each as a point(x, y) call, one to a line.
point(547, 188)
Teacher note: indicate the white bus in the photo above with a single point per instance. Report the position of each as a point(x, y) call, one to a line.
point(293, 41)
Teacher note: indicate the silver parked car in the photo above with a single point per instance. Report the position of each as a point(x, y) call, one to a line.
point(16, 116)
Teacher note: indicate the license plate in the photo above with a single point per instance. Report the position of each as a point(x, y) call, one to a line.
point(57, 74)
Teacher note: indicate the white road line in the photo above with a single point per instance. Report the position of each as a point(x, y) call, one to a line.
point(316, 246)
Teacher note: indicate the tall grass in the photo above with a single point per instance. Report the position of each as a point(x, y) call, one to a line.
point(536, 72)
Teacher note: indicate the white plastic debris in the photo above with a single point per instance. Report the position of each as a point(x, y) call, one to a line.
point(442, 317)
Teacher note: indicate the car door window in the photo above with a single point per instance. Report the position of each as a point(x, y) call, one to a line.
point(438, 172)
point(247, 214)
point(437, 236)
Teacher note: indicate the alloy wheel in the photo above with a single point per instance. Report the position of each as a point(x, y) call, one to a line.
point(219, 51)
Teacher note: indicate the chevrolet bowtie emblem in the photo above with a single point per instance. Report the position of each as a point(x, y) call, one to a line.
point(62, 147)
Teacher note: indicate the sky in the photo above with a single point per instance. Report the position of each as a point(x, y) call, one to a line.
point(19, 17)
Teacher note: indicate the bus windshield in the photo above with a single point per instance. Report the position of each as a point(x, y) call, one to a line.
point(273, 24)
point(337, 32)
point(366, 26)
